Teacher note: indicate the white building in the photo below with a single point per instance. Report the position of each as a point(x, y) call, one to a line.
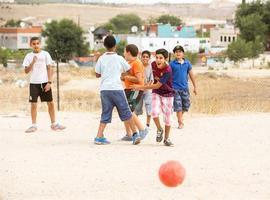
point(7, 1)
point(152, 44)
point(222, 37)
point(18, 38)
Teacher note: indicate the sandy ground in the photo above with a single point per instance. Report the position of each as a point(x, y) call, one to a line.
point(225, 157)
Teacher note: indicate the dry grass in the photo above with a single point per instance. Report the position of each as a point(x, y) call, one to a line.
point(217, 94)
point(221, 94)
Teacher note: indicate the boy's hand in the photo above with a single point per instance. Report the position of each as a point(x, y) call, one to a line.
point(195, 91)
point(47, 87)
point(34, 60)
point(135, 87)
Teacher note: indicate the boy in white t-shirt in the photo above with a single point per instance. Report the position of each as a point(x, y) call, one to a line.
point(109, 67)
point(39, 63)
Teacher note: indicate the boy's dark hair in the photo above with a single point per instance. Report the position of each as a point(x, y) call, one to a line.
point(133, 49)
point(164, 52)
point(147, 52)
point(33, 39)
point(109, 42)
point(179, 48)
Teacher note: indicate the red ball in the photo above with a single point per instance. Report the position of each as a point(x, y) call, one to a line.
point(172, 173)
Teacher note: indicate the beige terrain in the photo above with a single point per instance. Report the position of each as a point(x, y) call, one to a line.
point(89, 15)
point(225, 154)
point(225, 157)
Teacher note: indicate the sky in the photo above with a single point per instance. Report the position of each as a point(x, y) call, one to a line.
point(164, 1)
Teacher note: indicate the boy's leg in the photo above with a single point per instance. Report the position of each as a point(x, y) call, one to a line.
point(34, 92)
point(51, 111)
point(101, 128)
point(167, 106)
point(128, 128)
point(34, 113)
point(185, 96)
point(180, 119)
point(177, 106)
point(148, 101)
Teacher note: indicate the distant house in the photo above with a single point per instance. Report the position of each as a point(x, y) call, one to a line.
point(222, 37)
point(168, 31)
point(18, 38)
point(154, 43)
point(7, 1)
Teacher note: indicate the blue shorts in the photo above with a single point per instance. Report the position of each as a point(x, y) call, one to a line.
point(111, 99)
point(181, 101)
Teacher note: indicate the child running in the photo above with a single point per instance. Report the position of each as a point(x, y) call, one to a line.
point(181, 69)
point(147, 94)
point(162, 94)
point(134, 76)
point(109, 67)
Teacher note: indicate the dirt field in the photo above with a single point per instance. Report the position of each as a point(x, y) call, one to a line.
point(225, 157)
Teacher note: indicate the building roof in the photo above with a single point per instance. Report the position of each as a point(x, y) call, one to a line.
point(33, 29)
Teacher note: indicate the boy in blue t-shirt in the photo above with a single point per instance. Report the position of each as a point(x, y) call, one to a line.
point(181, 69)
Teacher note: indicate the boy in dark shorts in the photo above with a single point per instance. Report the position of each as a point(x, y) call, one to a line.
point(109, 67)
point(134, 76)
point(181, 69)
point(39, 63)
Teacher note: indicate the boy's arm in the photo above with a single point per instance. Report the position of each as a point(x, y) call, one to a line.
point(146, 87)
point(29, 68)
point(50, 74)
point(192, 78)
point(134, 79)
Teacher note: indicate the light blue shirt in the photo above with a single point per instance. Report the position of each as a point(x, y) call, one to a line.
point(110, 66)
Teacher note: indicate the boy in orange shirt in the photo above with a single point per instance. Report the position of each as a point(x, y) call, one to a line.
point(134, 76)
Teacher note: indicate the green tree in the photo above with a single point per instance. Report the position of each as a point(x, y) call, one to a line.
point(12, 23)
point(4, 55)
point(169, 19)
point(120, 47)
point(253, 19)
point(238, 50)
point(252, 26)
point(122, 23)
point(255, 49)
point(192, 57)
point(66, 38)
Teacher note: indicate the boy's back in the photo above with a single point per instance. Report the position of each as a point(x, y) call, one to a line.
point(110, 66)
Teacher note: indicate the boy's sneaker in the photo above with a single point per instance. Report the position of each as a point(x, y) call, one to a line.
point(101, 141)
point(159, 135)
point(143, 133)
point(57, 127)
point(31, 129)
point(126, 138)
point(167, 142)
point(136, 139)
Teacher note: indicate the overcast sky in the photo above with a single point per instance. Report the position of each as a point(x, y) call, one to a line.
point(164, 1)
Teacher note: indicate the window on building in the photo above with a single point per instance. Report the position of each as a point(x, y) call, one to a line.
point(24, 39)
point(229, 38)
point(221, 39)
point(151, 44)
point(225, 38)
point(233, 38)
point(164, 43)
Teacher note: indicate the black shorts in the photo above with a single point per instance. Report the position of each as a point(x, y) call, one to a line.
point(133, 98)
point(37, 90)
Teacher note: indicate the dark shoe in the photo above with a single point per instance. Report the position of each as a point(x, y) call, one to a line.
point(126, 138)
point(159, 135)
point(168, 143)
